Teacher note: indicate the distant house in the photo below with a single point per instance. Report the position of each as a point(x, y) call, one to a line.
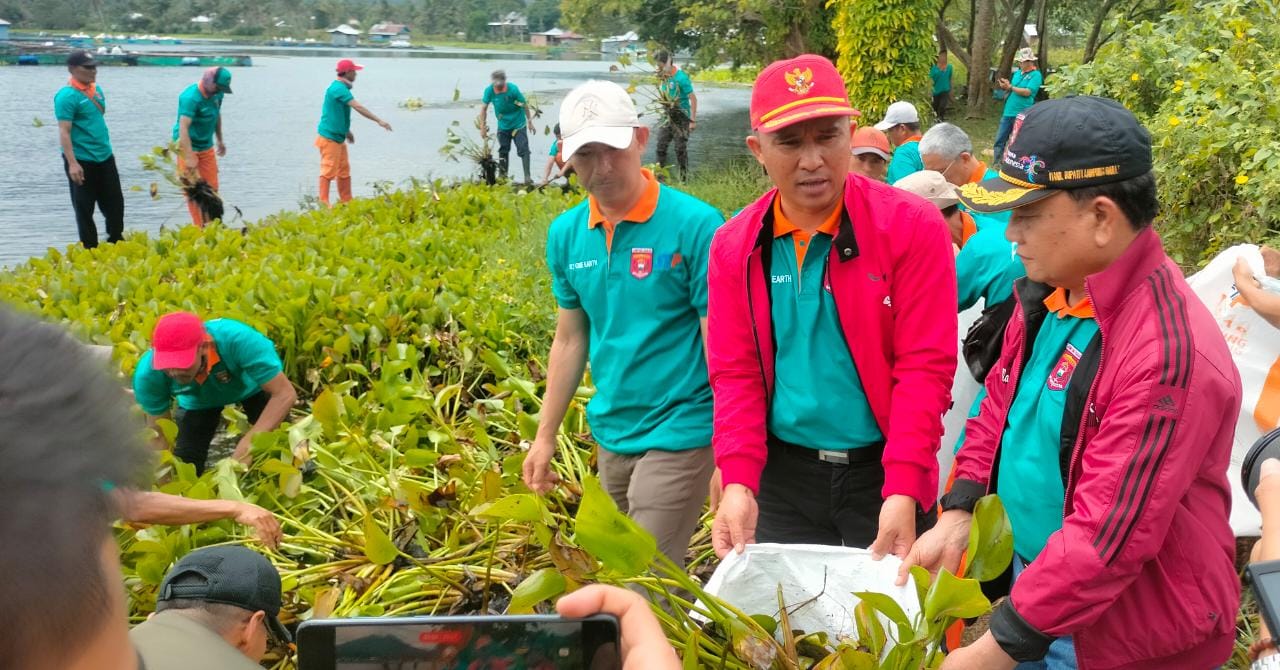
point(616, 45)
point(554, 37)
point(512, 26)
point(1030, 35)
point(385, 32)
point(344, 36)
point(4, 30)
point(201, 20)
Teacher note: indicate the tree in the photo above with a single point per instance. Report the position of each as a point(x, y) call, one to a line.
point(543, 15)
point(885, 49)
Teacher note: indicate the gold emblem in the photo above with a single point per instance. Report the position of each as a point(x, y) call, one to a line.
point(800, 82)
point(978, 195)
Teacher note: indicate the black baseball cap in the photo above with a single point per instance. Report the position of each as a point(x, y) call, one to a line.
point(233, 575)
point(80, 57)
point(1063, 144)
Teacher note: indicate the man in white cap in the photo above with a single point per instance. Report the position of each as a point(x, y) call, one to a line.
point(629, 274)
point(1022, 90)
point(902, 124)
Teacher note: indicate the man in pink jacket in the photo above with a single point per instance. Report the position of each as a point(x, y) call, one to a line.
point(1109, 418)
point(831, 336)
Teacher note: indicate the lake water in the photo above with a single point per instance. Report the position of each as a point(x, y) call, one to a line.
point(269, 125)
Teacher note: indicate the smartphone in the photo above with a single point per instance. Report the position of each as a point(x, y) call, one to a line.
point(1265, 577)
point(460, 643)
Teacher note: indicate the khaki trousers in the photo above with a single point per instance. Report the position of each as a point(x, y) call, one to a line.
point(663, 491)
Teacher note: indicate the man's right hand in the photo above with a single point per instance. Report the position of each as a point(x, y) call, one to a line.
point(264, 523)
point(75, 172)
point(734, 526)
point(943, 546)
point(538, 475)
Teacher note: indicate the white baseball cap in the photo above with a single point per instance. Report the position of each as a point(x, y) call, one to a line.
point(597, 111)
point(931, 186)
point(899, 112)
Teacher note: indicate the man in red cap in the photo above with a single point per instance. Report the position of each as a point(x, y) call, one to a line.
point(831, 336)
point(207, 366)
point(334, 131)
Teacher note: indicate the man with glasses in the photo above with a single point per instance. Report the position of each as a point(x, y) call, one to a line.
point(87, 158)
point(946, 148)
point(217, 609)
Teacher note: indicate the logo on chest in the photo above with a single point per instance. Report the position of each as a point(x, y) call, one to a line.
point(641, 262)
point(1061, 375)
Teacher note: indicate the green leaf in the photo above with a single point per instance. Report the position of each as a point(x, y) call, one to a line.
point(951, 596)
point(537, 587)
point(768, 623)
point(611, 536)
point(377, 546)
point(327, 409)
point(168, 429)
point(990, 540)
point(849, 658)
point(870, 631)
point(516, 507)
point(691, 646)
point(890, 608)
point(225, 480)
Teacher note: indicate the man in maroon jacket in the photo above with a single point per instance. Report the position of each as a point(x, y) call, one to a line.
point(1109, 421)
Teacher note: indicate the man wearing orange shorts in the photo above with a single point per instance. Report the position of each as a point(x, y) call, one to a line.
point(334, 131)
point(199, 120)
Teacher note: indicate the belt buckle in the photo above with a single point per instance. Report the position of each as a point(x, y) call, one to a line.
point(830, 456)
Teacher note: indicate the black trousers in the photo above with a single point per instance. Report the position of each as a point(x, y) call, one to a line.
point(101, 189)
point(505, 137)
point(196, 428)
point(677, 130)
point(941, 101)
point(807, 501)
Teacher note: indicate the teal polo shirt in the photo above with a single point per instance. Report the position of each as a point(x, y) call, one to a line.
point(644, 295)
point(1016, 104)
point(508, 106)
point(203, 113)
point(1030, 478)
point(678, 87)
point(941, 78)
point(818, 399)
point(986, 268)
point(247, 361)
point(90, 140)
point(906, 160)
point(335, 113)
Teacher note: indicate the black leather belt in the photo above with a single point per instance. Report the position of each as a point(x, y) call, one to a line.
point(871, 453)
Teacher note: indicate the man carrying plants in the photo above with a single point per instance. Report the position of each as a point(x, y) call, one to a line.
point(680, 107)
point(81, 108)
point(334, 132)
point(514, 118)
point(1108, 422)
point(1021, 92)
point(628, 269)
point(199, 121)
point(831, 336)
point(207, 366)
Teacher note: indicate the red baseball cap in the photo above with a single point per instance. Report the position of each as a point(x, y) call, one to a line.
point(798, 89)
point(348, 65)
point(176, 341)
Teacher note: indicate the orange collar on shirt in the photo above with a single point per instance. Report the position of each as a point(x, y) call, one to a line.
point(90, 89)
point(1057, 303)
point(978, 173)
point(967, 227)
point(640, 212)
point(913, 138)
point(800, 238)
point(211, 359)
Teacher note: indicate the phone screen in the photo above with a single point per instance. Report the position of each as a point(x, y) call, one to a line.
point(1267, 587)
point(517, 643)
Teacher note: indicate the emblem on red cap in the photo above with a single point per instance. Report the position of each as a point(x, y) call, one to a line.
point(800, 81)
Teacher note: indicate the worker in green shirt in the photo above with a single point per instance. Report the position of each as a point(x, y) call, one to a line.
point(681, 106)
point(514, 119)
point(940, 73)
point(1022, 90)
point(207, 366)
point(334, 132)
point(199, 121)
point(902, 124)
point(87, 159)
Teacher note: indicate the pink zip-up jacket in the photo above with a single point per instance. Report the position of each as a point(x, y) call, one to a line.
point(1142, 574)
point(892, 274)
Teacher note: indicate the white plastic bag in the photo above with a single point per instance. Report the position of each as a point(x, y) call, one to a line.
point(1255, 348)
point(817, 581)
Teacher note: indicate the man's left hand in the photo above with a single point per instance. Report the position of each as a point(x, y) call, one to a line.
point(532, 129)
point(985, 654)
point(222, 149)
point(242, 450)
point(897, 527)
point(692, 125)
